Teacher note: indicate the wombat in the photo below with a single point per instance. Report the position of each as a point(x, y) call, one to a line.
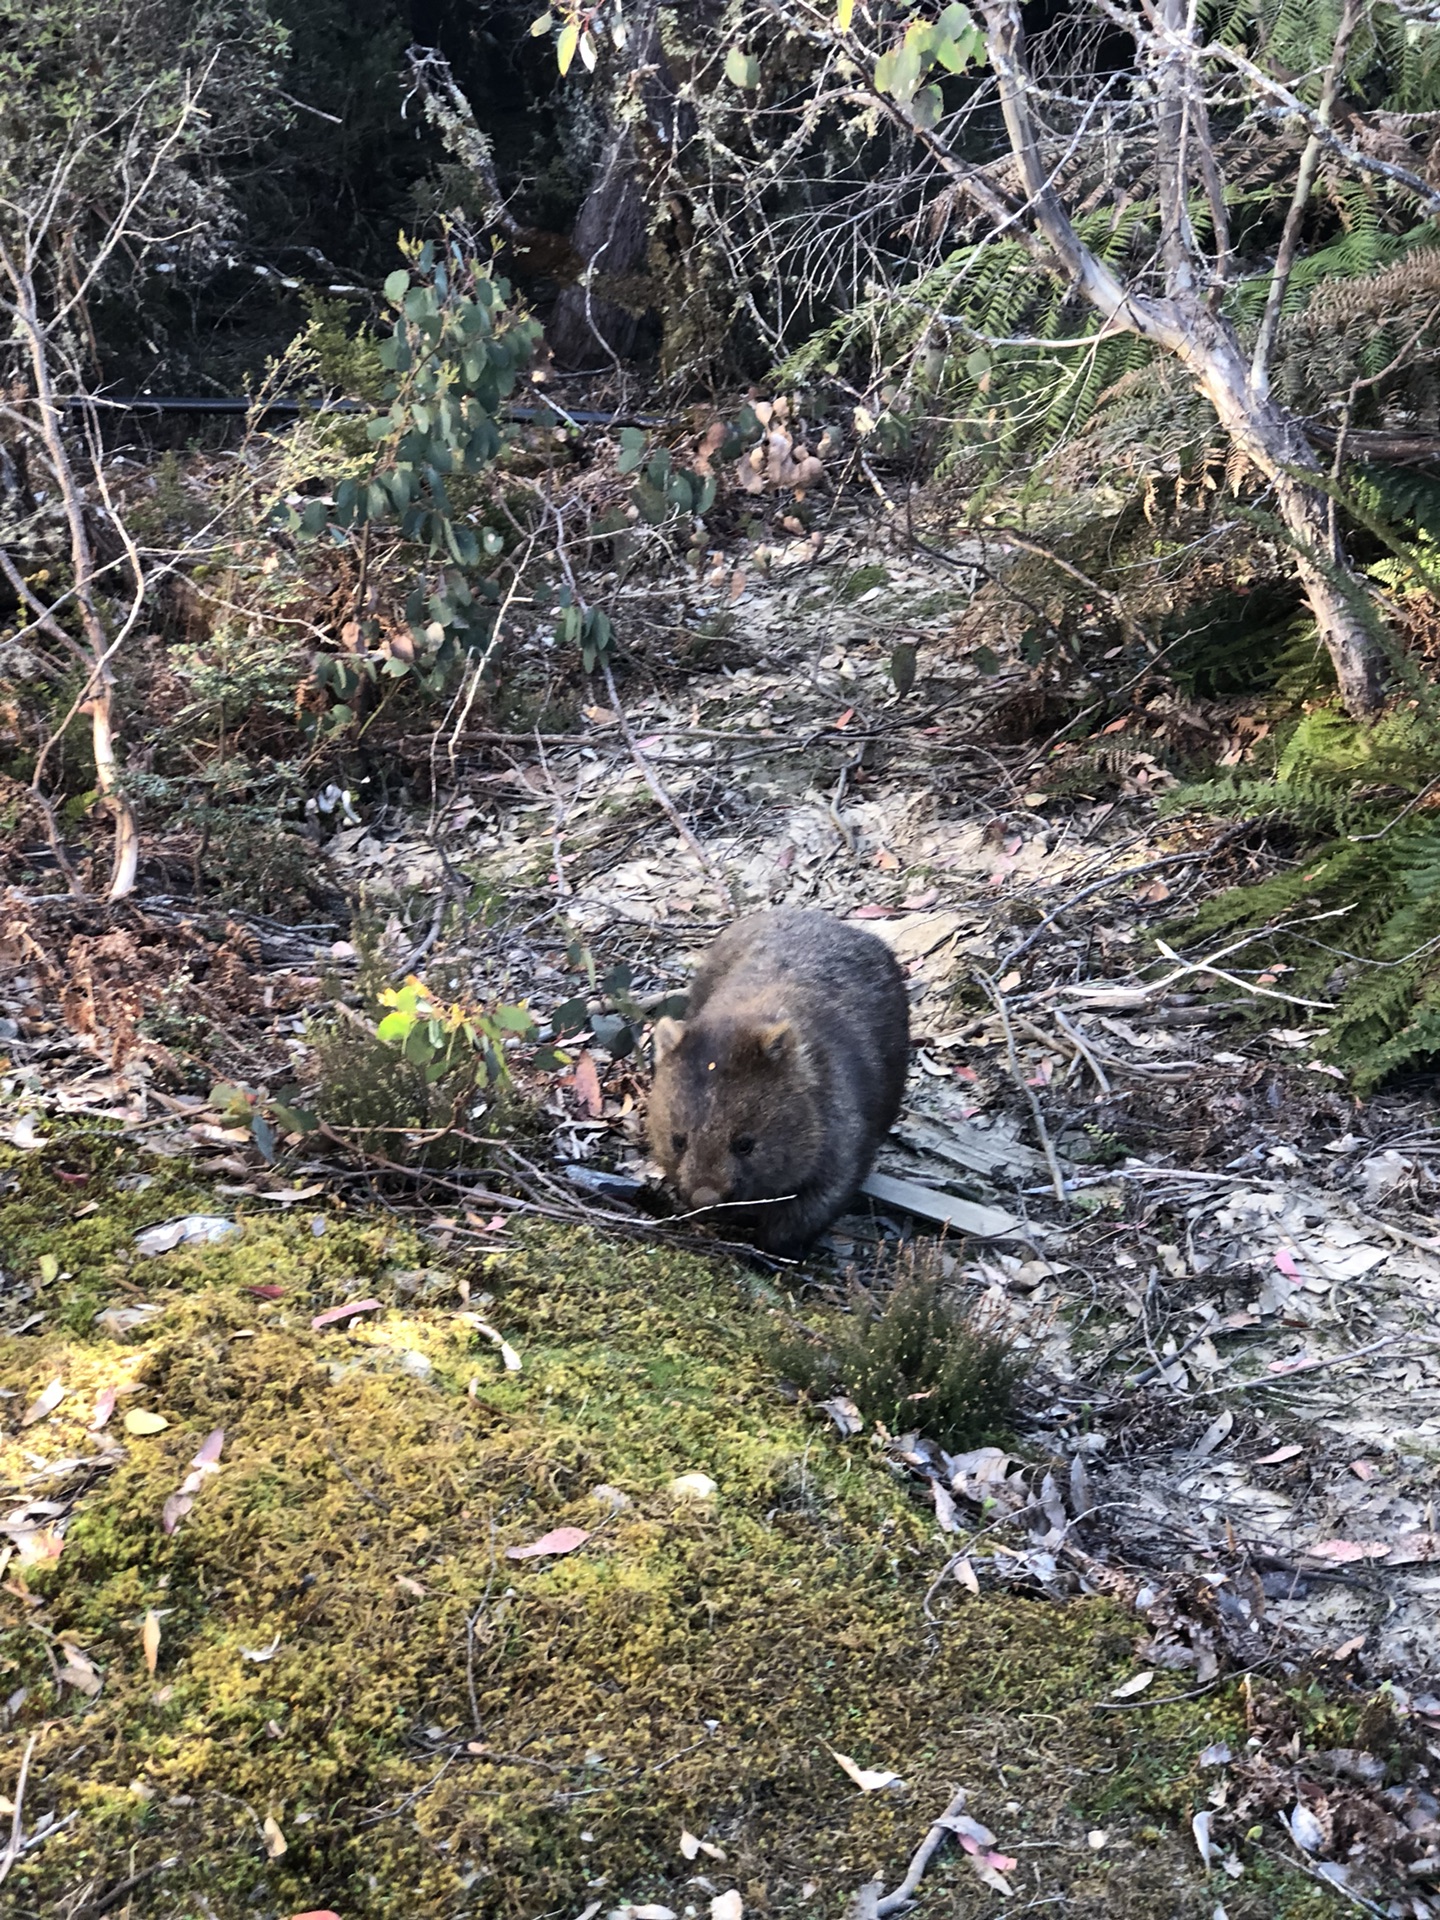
point(771, 1097)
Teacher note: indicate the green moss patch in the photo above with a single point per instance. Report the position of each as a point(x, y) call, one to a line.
point(430, 1728)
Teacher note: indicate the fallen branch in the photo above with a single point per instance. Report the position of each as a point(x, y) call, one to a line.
point(920, 1860)
point(1233, 980)
point(1115, 879)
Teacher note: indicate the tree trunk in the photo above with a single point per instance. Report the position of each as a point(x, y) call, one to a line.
point(1272, 441)
point(97, 702)
point(612, 231)
point(611, 237)
point(1185, 326)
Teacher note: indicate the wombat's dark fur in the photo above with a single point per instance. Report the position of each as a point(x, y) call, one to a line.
point(785, 1076)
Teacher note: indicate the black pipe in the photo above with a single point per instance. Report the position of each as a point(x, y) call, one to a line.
point(291, 409)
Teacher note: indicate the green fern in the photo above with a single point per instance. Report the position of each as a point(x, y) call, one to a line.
point(1358, 919)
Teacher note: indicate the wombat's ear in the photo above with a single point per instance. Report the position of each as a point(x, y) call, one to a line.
point(667, 1036)
point(773, 1040)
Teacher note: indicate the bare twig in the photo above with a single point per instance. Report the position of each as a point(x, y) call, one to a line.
point(1057, 1178)
point(1299, 200)
point(1233, 980)
point(652, 779)
point(17, 1830)
point(1082, 1047)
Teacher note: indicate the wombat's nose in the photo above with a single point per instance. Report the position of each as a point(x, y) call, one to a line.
point(704, 1197)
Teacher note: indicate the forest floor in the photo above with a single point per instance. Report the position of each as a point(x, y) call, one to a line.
point(1174, 1638)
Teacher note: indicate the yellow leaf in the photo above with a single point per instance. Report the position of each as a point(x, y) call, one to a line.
point(139, 1421)
point(150, 1641)
point(542, 25)
point(569, 41)
point(843, 13)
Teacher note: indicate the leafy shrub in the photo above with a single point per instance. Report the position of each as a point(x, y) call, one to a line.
point(455, 351)
point(915, 1360)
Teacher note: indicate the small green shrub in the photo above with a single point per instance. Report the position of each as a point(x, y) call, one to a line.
point(914, 1360)
point(369, 1089)
point(431, 1069)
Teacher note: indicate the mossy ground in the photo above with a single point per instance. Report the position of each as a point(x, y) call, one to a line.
point(686, 1668)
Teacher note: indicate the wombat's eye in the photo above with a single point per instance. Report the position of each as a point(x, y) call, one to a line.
point(677, 1141)
point(742, 1144)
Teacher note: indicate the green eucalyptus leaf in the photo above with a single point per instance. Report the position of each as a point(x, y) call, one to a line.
point(927, 108)
point(903, 660)
point(569, 1018)
point(742, 69)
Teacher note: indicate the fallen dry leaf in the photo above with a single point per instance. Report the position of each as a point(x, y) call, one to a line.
point(1305, 1830)
point(275, 1841)
point(945, 1512)
point(1341, 1551)
point(333, 1315)
point(692, 1486)
point(104, 1407)
point(206, 1228)
point(727, 1906)
point(118, 1321)
point(39, 1547)
point(844, 1412)
point(42, 1407)
point(1200, 1827)
point(175, 1510)
point(81, 1672)
point(139, 1421)
point(869, 1780)
point(507, 1353)
point(691, 1845)
point(561, 1540)
point(586, 1082)
point(404, 1581)
point(1280, 1453)
point(966, 1577)
point(150, 1640)
point(1137, 1683)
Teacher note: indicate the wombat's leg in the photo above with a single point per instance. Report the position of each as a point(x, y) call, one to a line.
point(789, 1228)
